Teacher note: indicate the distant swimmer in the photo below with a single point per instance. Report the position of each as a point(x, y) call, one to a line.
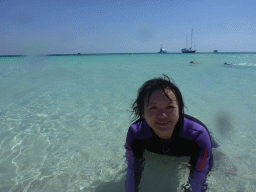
point(228, 64)
point(192, 61)
point(162, 127)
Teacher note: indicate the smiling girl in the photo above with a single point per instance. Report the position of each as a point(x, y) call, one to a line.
point(162, 127)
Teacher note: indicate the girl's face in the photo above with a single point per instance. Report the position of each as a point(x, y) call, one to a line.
point(161, 113)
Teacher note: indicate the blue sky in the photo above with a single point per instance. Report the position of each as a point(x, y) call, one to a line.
point(122, 26)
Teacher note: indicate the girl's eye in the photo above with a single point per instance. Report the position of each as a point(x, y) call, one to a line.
point(169, 107)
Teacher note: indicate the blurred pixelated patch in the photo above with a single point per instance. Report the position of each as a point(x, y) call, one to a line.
point(3, 2)
point(22, 16)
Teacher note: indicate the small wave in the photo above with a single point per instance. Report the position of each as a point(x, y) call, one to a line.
point(245, 64)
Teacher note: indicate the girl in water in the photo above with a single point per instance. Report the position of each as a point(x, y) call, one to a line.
point(162, 127)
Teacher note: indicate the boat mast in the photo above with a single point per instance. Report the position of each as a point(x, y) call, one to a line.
point(191, 38)
point(186, 41)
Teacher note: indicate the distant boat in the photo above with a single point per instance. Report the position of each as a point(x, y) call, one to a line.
point(162, 50)
point(79, 53)
point(190, 50)
point(215, 51)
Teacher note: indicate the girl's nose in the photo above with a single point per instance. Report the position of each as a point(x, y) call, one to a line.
point(161, 113)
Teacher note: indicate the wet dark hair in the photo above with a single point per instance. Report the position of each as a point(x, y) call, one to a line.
point(146, 90)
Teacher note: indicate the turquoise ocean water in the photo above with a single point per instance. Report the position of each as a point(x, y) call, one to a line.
point(64, 119)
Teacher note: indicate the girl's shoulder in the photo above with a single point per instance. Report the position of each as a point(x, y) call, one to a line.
point(192, 120)
point(140, 129)
point(193, 126)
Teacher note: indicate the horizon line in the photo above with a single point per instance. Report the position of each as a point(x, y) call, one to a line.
point(56, 54)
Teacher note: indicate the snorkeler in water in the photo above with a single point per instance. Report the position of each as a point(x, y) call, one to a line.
point(162, 127)
point(193, 61)
point(228, 63)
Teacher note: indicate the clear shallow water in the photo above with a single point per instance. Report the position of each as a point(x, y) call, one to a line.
point(64, 120)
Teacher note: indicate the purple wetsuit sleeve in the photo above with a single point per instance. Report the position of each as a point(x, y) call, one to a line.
point(135, 164)
point(203, 164)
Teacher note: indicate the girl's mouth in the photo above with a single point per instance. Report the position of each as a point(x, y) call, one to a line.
point(162, 123)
